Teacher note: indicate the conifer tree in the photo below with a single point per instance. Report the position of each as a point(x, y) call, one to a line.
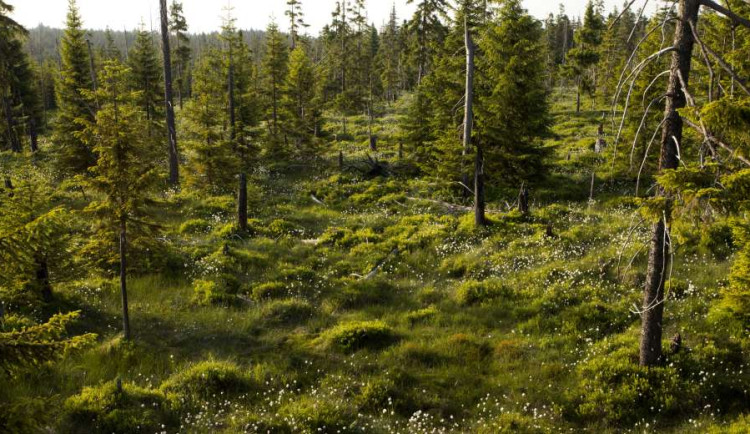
point(585, 55)
point(72, 154)
point(110, 50)
point(182, 52)
point(428, 32)
point(125, 171)
point(300, 103)
point(389, 58)
point(211, 159)
point(275, 66)
point(296, 21)
point(144, 62)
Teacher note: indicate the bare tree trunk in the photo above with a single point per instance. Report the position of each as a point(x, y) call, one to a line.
point(10, 121)
point(242, 203)
point(123, 280)
point(400, 150)
point(479, 199)
point(468, 100)
point(658, 260)
point(341, 159)
point(578, 95)
point(42, 278)
point(92, 67)
point(174, 164)
point(523, 199)
point(33, 135)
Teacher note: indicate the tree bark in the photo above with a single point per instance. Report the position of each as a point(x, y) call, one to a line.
point(174, 164)
point(242, 203)
point(42, 278)
point(468, 99)
point(523, 199)
point(123, 279)
point(479, 199)
point(10, 121)
point(658, 261)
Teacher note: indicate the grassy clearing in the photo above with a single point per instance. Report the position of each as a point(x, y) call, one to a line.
point(381, 311)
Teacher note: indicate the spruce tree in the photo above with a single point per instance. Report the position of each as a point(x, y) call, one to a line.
point(428, 32)
point(585, 55)
point(145, 65)
point(296, 21)
point(512, 109)
point(212, 163)
point(125, 171)
point(72, 154)
point(275, 67)
point(300, 103)
point(182, 52)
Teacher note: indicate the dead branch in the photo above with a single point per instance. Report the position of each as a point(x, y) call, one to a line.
point(736, 19)
point(720, 60)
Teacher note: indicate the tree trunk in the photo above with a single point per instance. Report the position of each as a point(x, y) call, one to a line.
point(10, 121)
point(123, 280)
point(242, 203)
point(578, 95)
point(42, 278)
point(92, 67)
point(479, 199)
point(33, 135)
point(468, 101)
point(658, 260)
point(400, 151)
point(523, 199)
point(174, 168)
point(341, 159)
point(373, 143)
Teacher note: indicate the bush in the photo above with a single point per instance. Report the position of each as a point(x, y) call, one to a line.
point(195, 226)
point(287, 312)
point(353, 336)
point(207, 381)
point(311, 415)
point(513, 422)
point(361, 293)
point(718, 240)
point(105, 409)
point(209, 292)
point(472, 292)
point(421, 315)
point(269, 291)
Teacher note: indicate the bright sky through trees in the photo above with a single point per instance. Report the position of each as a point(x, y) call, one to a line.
point(205, 15)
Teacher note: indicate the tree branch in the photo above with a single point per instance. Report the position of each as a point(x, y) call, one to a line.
point(736, 19)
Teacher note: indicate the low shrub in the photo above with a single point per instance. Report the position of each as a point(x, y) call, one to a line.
point(353, 336)
point(310, 415)
point(473, 292)
point(365, 292)
point(421, 315)
point(287, 312)
point(195, 226)
point(207, 381)
point(269, 291)
point(109, 409)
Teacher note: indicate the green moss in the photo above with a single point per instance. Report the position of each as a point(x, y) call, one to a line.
point(353, 336)
point(106, 409)
point(208, 381)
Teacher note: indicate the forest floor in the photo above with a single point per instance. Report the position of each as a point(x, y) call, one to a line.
point(366, 305)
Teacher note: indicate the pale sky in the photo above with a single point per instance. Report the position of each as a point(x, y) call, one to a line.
point(205, 15)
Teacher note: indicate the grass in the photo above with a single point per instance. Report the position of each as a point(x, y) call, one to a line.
point(498, 330)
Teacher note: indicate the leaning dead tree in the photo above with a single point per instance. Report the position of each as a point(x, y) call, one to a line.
point(677, 97)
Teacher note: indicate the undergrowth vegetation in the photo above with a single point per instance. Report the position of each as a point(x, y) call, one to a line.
point(378, 308)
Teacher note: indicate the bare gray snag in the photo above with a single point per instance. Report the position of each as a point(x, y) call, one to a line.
point(658, 261)
point(479, 199)
point(174, 169)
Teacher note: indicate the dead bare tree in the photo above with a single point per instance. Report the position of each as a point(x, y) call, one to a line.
point(174, 164)
point(676, 98)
